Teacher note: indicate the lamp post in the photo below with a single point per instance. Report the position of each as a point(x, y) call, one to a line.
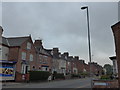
point(89, 45)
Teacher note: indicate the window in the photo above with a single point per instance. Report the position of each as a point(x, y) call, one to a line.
point(33, 68)
point(31, 57)
point(23, 56)
point(59, 55)
point(22, 70)
point(28, 45)
point(45, 59)
point(46, 69)
point(1, 53)
point(51, 52)
point(65, 57)
point(39, 67)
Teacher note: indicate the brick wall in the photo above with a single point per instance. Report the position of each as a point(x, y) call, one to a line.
point(13, 53)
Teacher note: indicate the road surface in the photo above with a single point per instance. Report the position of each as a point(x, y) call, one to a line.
point(72, 83)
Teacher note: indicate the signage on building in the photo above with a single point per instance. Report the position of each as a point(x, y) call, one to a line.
point(7, 72)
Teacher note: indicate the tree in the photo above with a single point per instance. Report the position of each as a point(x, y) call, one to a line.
point(108, 68)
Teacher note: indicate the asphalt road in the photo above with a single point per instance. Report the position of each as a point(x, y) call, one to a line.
point(72, 83)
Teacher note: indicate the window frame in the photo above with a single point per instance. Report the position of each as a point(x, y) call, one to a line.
point(31, 57)
point(23, 55)
point(29, 45)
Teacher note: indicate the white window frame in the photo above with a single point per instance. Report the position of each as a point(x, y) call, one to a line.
point(23, 56)
point(31, 57)
point(23, 68)
point(28, 45)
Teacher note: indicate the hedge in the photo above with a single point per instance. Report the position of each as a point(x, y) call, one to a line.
point(38, 75)
point(59, 76)
point(75, 75)
point(106, 77)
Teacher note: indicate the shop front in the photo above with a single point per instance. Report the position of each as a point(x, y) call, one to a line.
point(7, 70)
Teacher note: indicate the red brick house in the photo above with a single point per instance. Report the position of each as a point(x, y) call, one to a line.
point(79, 64)
point(22, 50)
point(96, 69)
point(68, 63)
point(74, 69)
point(116, 33)
point(44, 58)
point(87, 68)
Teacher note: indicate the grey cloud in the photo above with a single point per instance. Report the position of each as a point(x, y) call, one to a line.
point(64, 25)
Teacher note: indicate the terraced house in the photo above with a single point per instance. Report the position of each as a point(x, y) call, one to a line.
point(43, 58)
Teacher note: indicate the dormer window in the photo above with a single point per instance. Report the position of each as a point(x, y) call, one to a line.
point(28, 45)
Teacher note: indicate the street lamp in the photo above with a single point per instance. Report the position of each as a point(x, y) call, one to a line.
point(89, 45)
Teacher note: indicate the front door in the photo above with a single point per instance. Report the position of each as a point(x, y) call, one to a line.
point(26, 70)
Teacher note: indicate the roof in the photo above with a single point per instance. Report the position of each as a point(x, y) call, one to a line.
point(14, 41)
point(4, 41)
point(48, 51)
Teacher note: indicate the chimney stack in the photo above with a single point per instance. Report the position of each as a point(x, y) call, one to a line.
point(38, 44)
point(76, 57)
point(1, 31)
point(55, 51)
point(66, 54)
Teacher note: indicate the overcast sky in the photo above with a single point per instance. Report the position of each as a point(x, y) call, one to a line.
point(64, 25)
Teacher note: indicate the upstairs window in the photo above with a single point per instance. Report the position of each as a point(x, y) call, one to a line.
point(0, 53)
point(31, 57)
point(28, 45)
point(51, 52)
point(23, 56)
point(65, 57)
point(59, 55)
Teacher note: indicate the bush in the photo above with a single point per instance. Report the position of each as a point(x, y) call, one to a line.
point(38, 75)
point(105, 77)
point(59, 76)
point(84, 74)
point(75, 75)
